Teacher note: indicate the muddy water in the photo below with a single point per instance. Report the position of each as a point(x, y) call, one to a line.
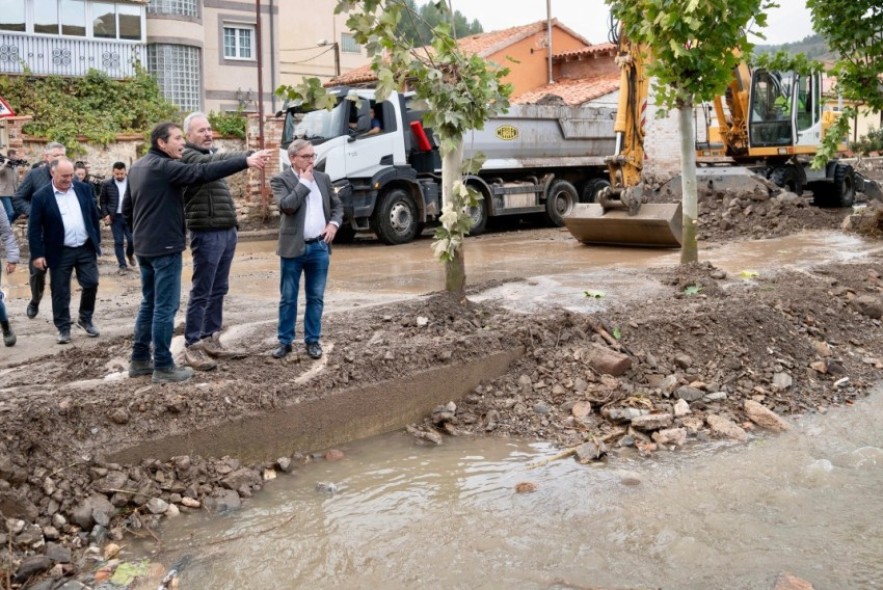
point(404, 516)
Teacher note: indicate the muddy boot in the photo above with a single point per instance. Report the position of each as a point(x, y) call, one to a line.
point(8, 334)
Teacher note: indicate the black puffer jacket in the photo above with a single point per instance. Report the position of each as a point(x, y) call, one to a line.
point(209, 206)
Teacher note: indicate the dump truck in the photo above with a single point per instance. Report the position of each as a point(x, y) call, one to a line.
point(539, 160)
point(762, 133)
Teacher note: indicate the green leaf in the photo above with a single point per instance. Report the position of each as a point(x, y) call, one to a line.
point(591, 293)
point(749, 274)
point(617, 333)
point(693, 290)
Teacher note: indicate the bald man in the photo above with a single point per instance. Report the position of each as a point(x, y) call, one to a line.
point(64, 236)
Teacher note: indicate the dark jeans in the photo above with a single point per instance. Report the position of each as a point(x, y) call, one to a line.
point(3, 316)
point(7, 206)
point(37, 281)
point(313, 264)
point(84, 261)
point(160, 298)
point(212, 257)
point(20, 207)
point(121, 234)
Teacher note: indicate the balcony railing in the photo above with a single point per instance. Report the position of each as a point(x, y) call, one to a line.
point(64, 56)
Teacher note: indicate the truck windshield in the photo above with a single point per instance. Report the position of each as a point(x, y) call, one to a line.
point(317, 126)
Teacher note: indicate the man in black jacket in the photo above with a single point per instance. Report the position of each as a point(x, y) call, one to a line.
point(211, 219)
point(36, 179)
point(111, 200)
point(154, 208)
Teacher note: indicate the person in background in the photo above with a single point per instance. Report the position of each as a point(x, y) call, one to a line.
point(12, 258)
point(211, 220)
point(311, 214)
point(64, 237)
point(81, 174)
point(154, 208)
point(8, 183)
point(111, 206)
point(38, 177)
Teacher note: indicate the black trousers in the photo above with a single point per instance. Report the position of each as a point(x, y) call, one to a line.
point(37, 281)
point(84, 261)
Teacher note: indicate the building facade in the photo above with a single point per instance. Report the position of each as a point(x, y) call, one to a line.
point(204, 53)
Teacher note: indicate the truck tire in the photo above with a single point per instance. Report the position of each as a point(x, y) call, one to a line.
point(560, 201)
point(479, 215)
point(591, 189)
point(395, 218)
point(788, 177)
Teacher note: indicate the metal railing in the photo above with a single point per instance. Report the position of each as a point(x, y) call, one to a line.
point(64, 56)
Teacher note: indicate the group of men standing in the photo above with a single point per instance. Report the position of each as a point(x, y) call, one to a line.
point(177, 186)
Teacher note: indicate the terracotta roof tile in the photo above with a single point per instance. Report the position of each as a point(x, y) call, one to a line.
point(588, 51)
point(483, 44)
point(572, 92)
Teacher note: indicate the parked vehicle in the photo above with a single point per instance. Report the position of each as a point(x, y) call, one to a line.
point(540, 159)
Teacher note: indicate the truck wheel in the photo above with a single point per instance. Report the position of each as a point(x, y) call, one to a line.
point(395, 218)
point(844, 185)
point(788, 177)
point(560, 201)
point(591, 189)
point(479, 215)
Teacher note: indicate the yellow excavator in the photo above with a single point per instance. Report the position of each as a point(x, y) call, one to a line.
point(765, 129)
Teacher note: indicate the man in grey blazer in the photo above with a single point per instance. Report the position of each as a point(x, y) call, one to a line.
point(311, 213)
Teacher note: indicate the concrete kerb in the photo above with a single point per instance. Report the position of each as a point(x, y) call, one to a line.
point(339, 418)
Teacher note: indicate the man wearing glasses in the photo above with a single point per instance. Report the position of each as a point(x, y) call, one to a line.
point(311, 213)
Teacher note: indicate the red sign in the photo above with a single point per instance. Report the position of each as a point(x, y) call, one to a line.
point(5, 109)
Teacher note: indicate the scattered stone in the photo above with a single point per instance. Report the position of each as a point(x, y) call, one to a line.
point(726, 427)
point(608, 362)
point(670, 436)
point(764, 417)
point(689, 394)
point(782, 381)
point(869, 305)
point(326, 487)
point(581, 409)
point(683, 360)
point(590, 451)
point(334, 455)
point(652, 421)
point(120, 416)
point(58, 553)
point(621, 415)
point(111, 550)
point(681, 408)
point(284, 464)
point(425, 434)
point(31, 566)
point(787, 581)
point(157, 506)
point(190, 502)
point(525, 487)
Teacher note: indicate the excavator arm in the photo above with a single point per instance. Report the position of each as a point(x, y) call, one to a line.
point(621, 215)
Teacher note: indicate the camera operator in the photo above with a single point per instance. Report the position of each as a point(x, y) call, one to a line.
point(9, 181)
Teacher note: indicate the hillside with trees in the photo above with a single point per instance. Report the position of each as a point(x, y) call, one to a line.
point(419, 20)
point(813, 46)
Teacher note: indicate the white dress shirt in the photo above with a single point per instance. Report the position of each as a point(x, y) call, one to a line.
point(71, 216)
point(314, 219)
point(121, 187)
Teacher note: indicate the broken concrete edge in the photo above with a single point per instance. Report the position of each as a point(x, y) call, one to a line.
point(340, 418)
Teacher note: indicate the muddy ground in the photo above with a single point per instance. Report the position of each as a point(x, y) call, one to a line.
point(637, 377)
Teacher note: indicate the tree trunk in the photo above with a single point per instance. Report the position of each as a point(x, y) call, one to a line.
point(690, 199)
point(455, 270)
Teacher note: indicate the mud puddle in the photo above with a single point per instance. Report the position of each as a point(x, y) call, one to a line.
point(395, 515)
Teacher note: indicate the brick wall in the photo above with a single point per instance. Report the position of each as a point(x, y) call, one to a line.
point(259, 198)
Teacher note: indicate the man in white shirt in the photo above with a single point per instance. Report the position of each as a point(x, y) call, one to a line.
point(311, 213)
point(112, 191)
point(63, 236)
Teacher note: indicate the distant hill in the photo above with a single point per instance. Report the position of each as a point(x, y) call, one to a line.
point(813, 46)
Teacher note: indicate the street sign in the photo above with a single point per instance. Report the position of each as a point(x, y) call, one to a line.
point(5, 109)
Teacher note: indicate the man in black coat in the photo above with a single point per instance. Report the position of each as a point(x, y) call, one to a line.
point(111, 205)
point(64, 236)
point(36, 179)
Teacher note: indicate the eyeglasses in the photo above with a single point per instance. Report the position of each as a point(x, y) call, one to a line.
point(306, 156)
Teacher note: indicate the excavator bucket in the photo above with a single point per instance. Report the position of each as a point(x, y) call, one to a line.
point(656, 225)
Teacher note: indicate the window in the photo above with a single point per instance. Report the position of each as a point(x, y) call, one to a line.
point(348, 44)
point(73, 18)
point(238, 42)
point(12, 17)
point(176, 68)
point(130, 22)
point(177, 7)
point(46, 16)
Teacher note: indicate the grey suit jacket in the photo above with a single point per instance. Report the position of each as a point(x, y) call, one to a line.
point(291, 196)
